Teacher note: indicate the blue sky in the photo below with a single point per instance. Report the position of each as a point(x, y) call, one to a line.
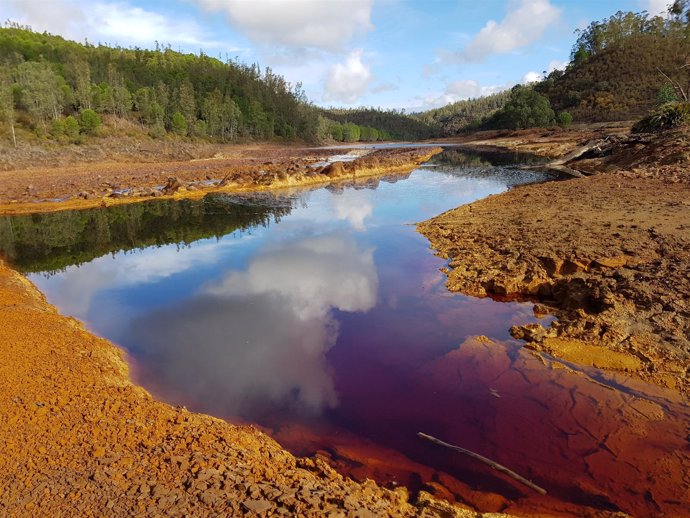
point(382, 53)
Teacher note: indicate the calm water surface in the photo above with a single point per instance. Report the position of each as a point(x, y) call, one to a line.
point(322, 316)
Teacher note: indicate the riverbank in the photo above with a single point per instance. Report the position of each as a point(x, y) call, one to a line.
point(79, 439)
point(48, 189)
point(607, 254)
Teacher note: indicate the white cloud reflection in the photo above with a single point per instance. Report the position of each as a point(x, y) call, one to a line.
point(353, 206)
point(259, 336)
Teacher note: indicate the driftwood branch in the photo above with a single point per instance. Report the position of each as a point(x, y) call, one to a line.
point(488, 462)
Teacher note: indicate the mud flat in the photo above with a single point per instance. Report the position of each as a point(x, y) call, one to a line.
point(32, 190)
point(608, 254)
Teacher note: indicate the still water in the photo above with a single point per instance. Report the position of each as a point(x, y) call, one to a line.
point(322, 316)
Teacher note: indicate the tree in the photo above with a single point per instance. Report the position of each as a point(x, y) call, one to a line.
point(7, 115)
point(89, 121)
point(40, 90)
point(525, 109)
point(564, 119)
point(179, 124)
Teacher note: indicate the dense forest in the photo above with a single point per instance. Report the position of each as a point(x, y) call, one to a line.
point(463, 115)
point(55, 88)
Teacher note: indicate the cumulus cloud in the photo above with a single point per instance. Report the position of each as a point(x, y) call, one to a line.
point(459, 91)
point(532, 76)
point(113, 22)
point(525, 22)
point(347, 82)
point(324, 272)
point(297, 23)
point(656, 7)
point(258, 337)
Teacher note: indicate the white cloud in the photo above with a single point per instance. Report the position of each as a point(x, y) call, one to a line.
point(523, 24)
point(113, 22)
point(459, 91)
point(324, 24)
point(347, 82)
point(532, 76)
point(656, 7)
point(325, 272)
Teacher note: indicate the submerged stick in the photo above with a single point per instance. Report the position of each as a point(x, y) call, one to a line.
point(488, 462)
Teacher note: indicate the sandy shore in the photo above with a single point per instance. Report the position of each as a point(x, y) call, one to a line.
point(608, 254)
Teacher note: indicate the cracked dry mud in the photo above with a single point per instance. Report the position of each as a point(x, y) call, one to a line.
point(608, 254)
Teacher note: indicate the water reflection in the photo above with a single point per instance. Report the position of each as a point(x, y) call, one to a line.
point(53, 241)
point(334, 330)
point(257, 338)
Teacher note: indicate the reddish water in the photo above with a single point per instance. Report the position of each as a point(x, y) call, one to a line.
point(334, 332)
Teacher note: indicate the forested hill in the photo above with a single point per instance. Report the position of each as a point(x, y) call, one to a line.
point(620, 69)
point(617, 67)
point(55, 88)
point(463, 115)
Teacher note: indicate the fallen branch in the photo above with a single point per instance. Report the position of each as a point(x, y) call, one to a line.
point(488, 462)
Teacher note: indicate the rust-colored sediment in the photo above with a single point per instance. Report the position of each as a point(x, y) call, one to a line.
point(608, 254)
point(79, 439)
point(28, 191)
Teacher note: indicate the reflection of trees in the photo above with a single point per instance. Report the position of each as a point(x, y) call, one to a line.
point(464, 159)
point(49, 242)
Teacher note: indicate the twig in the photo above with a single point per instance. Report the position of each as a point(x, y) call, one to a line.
point(488, 462)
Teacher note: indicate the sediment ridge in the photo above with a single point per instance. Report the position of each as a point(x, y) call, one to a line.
point(30, 191)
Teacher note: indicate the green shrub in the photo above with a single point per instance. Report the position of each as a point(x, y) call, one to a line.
point(71, 128)
point(667, 94)
point(670, 115)
point(525, 109)
point(564, 119)
point(179, 124)
point(89, 121)
point(157, 131)
point(200, 128)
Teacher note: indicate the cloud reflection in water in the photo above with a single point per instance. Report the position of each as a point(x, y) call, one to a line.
point(258, 337)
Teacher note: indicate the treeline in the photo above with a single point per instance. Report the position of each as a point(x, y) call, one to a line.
point(618, 66)
point(389, 124)
point(467, 115)
point(58, 88)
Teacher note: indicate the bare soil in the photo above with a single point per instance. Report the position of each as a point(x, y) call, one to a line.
point(237, 169)
point(608, 254)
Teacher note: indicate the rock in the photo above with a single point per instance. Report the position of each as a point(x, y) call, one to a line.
point(257, 506)
point(172, 186)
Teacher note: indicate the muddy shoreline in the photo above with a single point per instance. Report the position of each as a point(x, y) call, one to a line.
point(27, 191)
point(607, 254)
point(79, 438)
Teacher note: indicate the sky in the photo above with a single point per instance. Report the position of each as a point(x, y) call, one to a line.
point(401, 54)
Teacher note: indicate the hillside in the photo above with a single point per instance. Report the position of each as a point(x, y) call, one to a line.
point(619, 83)
point(53, 88)
point(616, 67)
point(465, 115)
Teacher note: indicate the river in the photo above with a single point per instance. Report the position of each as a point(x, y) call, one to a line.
point(322, 316)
